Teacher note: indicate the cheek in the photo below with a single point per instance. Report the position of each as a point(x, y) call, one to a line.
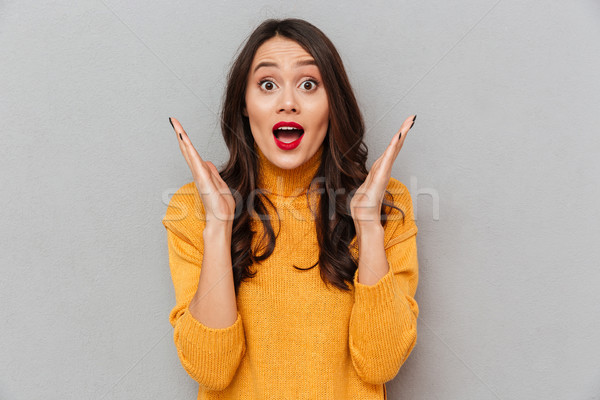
point(257, 108)
point(325, 113)
point(324, 105)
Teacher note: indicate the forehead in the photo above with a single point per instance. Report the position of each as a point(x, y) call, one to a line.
point(281, 51)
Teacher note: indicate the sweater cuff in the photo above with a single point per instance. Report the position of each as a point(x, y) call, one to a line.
point(196, 336)
point(385, 291)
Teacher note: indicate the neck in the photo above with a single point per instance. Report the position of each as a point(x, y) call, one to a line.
point(286, 182)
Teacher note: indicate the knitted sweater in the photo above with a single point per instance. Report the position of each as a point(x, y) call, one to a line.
point(295, 337)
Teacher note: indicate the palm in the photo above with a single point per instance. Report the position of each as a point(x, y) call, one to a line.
point(218, 201)
point(366, 202)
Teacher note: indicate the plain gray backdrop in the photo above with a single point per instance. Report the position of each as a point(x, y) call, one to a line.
point(502, 165)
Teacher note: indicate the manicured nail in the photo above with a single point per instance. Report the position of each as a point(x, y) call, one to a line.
point(415, 118)
point(412, 125)
point(180, 137)
point(171, 122)
point(400, 135)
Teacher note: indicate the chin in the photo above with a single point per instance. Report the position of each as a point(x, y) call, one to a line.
point(289, 162)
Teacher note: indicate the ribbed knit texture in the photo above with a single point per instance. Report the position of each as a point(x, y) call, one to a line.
point(294, 337)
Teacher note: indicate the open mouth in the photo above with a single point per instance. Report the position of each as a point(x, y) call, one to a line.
point(288, 134)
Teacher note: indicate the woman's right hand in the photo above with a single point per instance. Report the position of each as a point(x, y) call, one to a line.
point(219, 203)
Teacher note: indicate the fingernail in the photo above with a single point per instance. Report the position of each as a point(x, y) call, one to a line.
point(400, 135)
point(171, 122)
point(180, 137)
point(415, 118)
point(412, 125)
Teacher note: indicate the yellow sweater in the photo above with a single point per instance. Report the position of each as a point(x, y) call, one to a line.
point(294, 337)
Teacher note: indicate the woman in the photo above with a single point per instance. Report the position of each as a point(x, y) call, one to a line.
point(261, 252)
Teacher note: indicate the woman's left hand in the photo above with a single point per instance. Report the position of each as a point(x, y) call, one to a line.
point(365, 205)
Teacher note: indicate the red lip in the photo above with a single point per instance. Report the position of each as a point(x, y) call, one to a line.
point(290, 124)
point(292, 145)
point(288, 146)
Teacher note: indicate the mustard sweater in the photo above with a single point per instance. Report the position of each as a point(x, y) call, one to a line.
point(294, 337)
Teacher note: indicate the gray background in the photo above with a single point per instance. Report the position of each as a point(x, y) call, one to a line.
point(501, 163)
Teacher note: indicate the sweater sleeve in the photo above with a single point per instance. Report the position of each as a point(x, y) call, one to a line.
point(383, 321)
point(210, 356)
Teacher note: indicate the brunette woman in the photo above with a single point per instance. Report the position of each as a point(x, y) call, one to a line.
point(294, 267)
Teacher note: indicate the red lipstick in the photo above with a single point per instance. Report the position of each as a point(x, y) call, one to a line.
point(281, 126)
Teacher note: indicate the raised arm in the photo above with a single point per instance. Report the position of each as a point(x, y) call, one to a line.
point(383, 322)
point(208, 334)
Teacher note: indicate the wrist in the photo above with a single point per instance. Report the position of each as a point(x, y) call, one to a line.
point(366, 233)
point(370, 227)
point(217, 233)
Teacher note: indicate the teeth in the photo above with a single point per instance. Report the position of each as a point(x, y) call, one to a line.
point(287, 128)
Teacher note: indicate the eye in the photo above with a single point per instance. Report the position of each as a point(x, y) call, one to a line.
point(267, 85)
point(310, 84)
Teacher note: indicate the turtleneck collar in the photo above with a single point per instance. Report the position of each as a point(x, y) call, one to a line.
point(286, 182)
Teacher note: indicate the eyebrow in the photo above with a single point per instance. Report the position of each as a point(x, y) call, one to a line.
point(272, 64)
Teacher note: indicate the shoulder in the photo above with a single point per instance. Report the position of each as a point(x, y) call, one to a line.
point(398, 190)
point(400, 224)
point(185, 213)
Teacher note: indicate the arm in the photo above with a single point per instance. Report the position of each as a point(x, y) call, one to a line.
point(208, 329)
point(383, 322)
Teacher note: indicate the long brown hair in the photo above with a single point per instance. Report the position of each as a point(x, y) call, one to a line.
point(342, 166)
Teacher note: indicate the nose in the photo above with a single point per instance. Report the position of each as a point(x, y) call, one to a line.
point(288, 101)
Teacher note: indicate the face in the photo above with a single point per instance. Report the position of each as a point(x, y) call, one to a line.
point(284, 85)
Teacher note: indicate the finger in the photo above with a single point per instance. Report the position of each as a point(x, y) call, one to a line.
point(177, 126)
point(390, 148)
point(376, 180)
point(408, 123)
point(397, 141)
point(379, 175)
point(385, 162)
point(182, 146)
point(219, 182)
point(189, 148)
point(200, 170)
point(212, 168)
